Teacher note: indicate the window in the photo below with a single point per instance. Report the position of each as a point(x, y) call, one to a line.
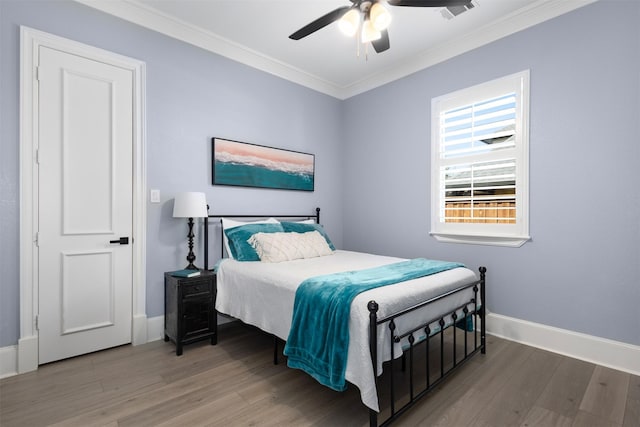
point(479, 163)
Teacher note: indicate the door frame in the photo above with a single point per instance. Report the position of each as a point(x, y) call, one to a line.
point(30, 42)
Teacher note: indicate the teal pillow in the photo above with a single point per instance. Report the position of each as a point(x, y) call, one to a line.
point(301, 227)
point(241, 250)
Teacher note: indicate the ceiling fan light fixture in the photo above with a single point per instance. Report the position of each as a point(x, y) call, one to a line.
point(369, 32)
point(349, 22)
point(369, 20)
point(379, 17)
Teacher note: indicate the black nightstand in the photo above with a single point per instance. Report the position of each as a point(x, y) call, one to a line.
point(189, 309)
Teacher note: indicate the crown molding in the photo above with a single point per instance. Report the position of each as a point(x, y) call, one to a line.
point(155, 20)
point(536, 13)
point(137, 13)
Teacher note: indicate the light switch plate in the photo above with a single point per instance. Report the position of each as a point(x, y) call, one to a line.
point(154, 196)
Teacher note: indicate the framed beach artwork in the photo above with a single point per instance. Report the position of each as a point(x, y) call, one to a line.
point(250, 165)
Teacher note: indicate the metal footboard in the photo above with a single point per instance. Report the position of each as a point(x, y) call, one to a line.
point(476, 314)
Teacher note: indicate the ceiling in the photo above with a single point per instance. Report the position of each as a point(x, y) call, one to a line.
point(255, 32)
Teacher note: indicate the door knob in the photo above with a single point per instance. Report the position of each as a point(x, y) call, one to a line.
point(121, 241)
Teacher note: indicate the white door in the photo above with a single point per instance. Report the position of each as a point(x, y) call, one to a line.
point(85, 202)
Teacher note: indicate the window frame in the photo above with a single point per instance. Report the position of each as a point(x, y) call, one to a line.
point(512, 235)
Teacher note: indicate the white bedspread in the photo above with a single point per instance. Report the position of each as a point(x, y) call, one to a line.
point(262, 294)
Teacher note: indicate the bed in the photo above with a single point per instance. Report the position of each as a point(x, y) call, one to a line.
point(385, 322)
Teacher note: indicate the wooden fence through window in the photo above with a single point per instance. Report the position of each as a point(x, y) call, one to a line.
point(503, 212)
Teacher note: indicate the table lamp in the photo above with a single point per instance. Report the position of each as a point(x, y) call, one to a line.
point(190, 205)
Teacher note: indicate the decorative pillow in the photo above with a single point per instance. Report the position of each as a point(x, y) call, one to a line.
point(238, 237)
point(300, 227)
point(230, 223)
point(278, 247)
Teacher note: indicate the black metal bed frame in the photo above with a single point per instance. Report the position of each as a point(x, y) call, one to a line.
point(476, 315)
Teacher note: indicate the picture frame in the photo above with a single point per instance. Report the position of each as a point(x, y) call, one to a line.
point(243, 164)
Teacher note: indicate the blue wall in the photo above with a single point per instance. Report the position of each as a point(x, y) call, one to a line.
point(581, 271)
point(192, 95)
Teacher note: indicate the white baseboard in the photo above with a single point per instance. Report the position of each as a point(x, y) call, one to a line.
point(8, 361)
point(18, 359)
point(601, 351)
point(155, 328)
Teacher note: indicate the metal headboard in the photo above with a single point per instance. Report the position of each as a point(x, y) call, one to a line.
point(316, 216)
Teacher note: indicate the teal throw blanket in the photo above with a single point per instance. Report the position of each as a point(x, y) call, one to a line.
point(319, 335)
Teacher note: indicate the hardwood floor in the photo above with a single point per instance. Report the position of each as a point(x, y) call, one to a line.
point(236, 384)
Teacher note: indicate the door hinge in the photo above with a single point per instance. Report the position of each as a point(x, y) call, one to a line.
point(37, 324)
point(37, 73)
point(37, 239)
point(38, 156)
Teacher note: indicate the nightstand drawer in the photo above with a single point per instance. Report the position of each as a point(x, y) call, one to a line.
point(196, 288)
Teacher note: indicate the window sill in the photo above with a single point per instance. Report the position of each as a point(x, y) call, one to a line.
point(509, 241)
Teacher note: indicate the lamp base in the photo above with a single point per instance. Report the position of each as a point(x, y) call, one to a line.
point(191, 256)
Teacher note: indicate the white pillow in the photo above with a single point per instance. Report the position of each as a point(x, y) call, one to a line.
point(307, 221)
point(278, 247)
point(230, 223)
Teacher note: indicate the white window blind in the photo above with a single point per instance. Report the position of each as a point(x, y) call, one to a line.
point(478, 128)
point(480, 163)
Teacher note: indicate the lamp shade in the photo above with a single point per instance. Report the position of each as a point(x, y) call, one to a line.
point(349, 22)
point(369, 32)
point(379, 17)
point(190, 205)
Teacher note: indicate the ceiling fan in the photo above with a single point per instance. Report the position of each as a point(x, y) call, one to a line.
point(368, 19)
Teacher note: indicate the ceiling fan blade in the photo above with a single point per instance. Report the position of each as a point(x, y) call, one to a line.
point(319, 23)
point(381, 44)
point(428, 3)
